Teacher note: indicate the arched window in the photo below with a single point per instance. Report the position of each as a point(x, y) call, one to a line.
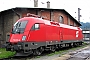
point(61, 19)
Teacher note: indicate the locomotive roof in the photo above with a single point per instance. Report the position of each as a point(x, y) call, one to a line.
point(60, 24)
point(49, 22)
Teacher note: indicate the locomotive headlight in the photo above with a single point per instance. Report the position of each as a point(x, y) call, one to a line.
point(24, 38)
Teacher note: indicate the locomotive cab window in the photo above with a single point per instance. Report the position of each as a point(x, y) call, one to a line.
point(19, 27)
point(35, 26)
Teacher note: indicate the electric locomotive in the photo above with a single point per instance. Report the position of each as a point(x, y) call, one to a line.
point(33, 35)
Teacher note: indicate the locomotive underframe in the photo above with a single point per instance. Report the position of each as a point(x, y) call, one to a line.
point(29, 47)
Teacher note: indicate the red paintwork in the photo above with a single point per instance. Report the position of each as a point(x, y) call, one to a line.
point(49, 31)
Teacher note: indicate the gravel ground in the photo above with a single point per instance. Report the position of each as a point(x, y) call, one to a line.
point(46, 57)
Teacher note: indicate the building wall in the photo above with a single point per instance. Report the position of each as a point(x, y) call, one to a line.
point(46, 15)
point(7, 19)
point(51, 15)
point(15, 18)
point(57, 14)
point(8, 23)
point(66, 19)
point(71, 22)
point(1, 30)
point(24, 12)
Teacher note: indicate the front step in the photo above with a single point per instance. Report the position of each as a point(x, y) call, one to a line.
point(22, 54)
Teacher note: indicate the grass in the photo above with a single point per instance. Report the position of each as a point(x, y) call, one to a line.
point(5, 54)
point(37, 56)
point(57, 52)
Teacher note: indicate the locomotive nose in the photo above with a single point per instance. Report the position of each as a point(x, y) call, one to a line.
point(16, 38)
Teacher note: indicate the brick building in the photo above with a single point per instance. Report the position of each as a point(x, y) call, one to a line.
point(10, 16)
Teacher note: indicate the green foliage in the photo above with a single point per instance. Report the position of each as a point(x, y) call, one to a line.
point(57, 52)
point(5, 54)
point(85, 43)
point(85, 25)
point(37, 56)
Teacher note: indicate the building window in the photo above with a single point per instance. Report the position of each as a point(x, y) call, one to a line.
point(74, 24)
point(68, 21)
point(61, 19)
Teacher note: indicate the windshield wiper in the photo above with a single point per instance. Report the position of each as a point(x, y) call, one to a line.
point(18, 31)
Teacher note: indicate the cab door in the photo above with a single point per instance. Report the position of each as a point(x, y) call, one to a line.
point(61, 34)
point(37, 32)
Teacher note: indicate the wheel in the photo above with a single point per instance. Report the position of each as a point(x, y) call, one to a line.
point(38, 51)
point(41, 49)
point(52, 49)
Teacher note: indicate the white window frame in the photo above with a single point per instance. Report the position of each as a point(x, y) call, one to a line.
point(61, 19)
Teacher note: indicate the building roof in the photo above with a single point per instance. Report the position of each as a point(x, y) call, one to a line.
point(46, 9)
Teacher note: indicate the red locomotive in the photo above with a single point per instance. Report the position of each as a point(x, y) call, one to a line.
point(33, 35)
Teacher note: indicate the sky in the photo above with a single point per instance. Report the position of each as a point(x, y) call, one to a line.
point(71, 6)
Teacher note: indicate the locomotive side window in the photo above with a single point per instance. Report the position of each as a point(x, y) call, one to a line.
point(35, 26)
